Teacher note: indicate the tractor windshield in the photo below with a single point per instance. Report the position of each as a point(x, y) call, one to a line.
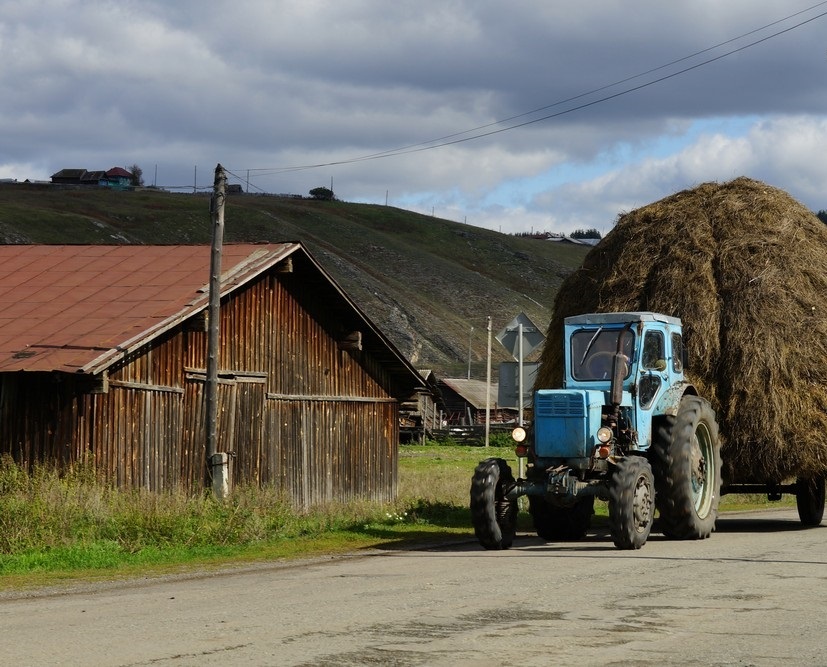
point(593, 350)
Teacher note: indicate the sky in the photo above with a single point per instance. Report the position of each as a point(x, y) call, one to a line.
point(516, 116)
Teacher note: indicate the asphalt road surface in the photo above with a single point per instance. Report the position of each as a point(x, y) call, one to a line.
point(755, 593)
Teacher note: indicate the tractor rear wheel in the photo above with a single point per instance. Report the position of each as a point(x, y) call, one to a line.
point(631, 502)
point(809, 497)
point(494, 517)
point(687, 464)
point(561, 524)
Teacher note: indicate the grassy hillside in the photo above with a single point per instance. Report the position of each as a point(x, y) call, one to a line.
point(424, 281)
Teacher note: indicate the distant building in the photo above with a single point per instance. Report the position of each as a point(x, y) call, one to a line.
point(117, 178)
point(464, 402)
point(68, 176)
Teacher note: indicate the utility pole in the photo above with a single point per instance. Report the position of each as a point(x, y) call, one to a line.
point(488, 387)
point(470, 333)
point(217, 464)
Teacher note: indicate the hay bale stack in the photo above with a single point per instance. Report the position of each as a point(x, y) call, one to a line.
point(745, 267)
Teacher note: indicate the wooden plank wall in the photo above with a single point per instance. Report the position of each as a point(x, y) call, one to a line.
point(296, 411)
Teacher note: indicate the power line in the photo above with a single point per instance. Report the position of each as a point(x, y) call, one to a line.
point(478, 133)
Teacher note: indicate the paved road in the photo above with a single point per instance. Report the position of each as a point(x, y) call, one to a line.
point(753, 594)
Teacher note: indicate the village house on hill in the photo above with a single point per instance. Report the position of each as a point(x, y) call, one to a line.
point(103, 359)
point(117, 177)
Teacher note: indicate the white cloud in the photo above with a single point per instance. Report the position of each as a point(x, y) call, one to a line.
point(265, 84)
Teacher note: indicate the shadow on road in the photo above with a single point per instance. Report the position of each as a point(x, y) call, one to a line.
point(599, 541)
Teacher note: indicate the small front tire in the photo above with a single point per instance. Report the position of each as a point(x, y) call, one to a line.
point(493, 515)
point(631, 502)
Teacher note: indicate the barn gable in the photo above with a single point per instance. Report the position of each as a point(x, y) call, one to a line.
point(103, 357)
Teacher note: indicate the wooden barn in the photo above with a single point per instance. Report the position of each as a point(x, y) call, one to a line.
point(103, 359)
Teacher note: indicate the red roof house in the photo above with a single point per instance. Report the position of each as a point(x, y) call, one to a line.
point(103, 358)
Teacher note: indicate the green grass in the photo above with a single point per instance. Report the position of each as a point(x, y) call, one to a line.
point(55, 528)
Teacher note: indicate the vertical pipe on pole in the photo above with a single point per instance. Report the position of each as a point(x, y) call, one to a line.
point(488, 387)
point(217, 212)
point(520, 399)
point(470, 333)
point(520, 373)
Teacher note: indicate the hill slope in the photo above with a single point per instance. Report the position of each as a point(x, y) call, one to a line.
point(423, 280)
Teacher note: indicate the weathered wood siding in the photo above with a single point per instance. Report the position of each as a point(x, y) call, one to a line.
point(296, 411)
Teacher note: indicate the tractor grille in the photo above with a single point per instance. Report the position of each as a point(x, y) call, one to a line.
point(560, 404)
point(565, 421)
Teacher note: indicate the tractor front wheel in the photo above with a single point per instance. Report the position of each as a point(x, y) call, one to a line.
point(493, 515)
point(809, 497)
point(631, 502)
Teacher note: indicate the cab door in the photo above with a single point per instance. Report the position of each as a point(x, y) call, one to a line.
point(653, 380)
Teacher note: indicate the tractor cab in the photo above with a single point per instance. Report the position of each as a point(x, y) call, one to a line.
point(621, 369)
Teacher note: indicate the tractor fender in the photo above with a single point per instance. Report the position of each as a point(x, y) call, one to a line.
point(669, 402)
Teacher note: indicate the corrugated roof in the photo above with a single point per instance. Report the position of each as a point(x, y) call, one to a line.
point(473, 391)
point(79, 308)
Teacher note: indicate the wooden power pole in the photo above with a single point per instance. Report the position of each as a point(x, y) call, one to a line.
point(217, 464)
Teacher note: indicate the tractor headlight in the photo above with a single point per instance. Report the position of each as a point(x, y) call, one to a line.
point(604, 434)
point(518, 434)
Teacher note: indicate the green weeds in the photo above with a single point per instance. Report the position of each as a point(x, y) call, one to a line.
point(57, 526)
point(53, 524)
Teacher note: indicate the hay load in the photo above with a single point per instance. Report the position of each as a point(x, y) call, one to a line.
point(745, 267)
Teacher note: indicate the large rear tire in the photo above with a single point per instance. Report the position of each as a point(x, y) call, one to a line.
point(494, 517)
point(631, 502)
point(809, 497)
point(561, 524)
point(687, 465)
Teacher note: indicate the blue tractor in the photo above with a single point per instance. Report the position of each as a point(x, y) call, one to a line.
point(626, 427)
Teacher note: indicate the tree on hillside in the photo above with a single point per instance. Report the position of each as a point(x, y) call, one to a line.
point(586, 234)
point(325, 194)
point(822, 215)
point(137, 175)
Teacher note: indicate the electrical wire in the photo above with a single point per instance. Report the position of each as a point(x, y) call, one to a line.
point(486, 130)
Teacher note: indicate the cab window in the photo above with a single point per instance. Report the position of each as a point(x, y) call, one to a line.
point(654, 351)
point(677, 353)
point(593, 350)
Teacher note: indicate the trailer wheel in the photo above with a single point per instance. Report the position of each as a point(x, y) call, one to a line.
point(687, 465)
point(493, 516)
point(631, 502)
point(809, 497)
point(560, 524)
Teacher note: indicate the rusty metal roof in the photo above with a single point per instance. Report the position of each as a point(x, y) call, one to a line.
point(78, 308)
